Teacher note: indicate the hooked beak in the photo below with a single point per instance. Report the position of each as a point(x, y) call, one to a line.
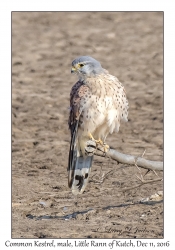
point(73, 70)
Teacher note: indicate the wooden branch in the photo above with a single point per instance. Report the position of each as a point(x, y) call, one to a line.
point(129, 159)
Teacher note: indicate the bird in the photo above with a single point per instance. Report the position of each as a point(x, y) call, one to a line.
point(98, 104)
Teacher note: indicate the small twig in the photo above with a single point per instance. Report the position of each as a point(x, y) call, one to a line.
point(155, 173)
point(147, 172)
point(143, 182)
point(141, 179)
point(103, 177)
point(144, 152)
point(138, 157)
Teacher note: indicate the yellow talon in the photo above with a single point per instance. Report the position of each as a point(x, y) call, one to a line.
point(91, 137)
point(99, 141)
point(106, 147)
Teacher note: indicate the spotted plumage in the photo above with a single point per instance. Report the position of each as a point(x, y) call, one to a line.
point(97, 106)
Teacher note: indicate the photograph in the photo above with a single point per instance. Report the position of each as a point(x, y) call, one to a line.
point(87, 96)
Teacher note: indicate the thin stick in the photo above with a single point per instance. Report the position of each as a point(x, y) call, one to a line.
point(143, 182)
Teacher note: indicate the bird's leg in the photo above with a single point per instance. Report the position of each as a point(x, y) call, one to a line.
point(97, 141)
point(106, 147)
point(100, 142)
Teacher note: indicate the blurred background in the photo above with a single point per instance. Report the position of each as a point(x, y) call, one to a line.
point(129, 45)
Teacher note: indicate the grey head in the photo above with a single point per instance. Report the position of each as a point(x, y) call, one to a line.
point(86, 66)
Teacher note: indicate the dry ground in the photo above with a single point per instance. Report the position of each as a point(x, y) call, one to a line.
point(130, 46)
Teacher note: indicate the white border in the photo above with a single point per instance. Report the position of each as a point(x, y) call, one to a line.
point(5, 95)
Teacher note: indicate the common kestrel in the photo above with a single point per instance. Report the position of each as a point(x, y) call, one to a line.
point(97, 105)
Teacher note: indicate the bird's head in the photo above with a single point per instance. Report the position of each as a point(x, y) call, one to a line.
point(86, 66)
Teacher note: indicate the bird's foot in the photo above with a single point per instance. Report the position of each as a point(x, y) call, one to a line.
point(100, 143)
point(106, 147)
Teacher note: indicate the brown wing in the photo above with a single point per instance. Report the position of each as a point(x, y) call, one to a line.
point(74, 106)
point(73, 126)
point(77, 94)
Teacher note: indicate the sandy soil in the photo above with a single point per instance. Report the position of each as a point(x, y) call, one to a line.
point(130, 46)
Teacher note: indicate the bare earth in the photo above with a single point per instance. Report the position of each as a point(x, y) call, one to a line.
point(130, 46)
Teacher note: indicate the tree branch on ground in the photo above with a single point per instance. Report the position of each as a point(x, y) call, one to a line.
point(129, 159)
point(93, 147)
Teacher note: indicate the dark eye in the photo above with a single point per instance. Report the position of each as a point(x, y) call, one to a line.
point(81, 64)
